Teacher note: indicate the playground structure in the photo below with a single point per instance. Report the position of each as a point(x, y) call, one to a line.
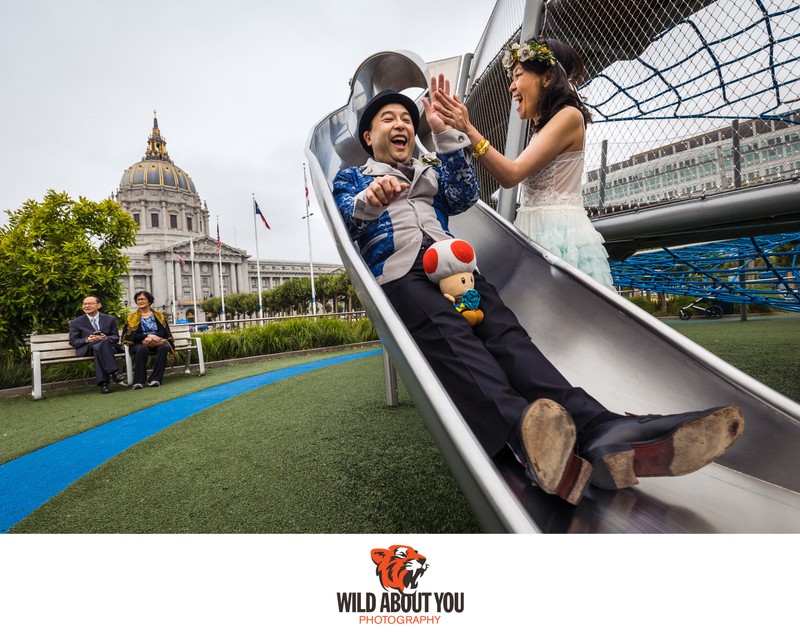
point(695, 134)
point(607, 345)
point(750, 270)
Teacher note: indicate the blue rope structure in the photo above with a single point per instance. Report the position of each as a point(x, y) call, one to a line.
point(761, 54)
point(753, 270)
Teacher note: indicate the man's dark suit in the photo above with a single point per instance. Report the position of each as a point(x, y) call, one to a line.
point(103, 351)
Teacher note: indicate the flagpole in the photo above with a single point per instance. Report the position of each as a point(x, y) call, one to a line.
point(194, 291)
point(310, 258)
point(172, 265)
point(258, 264)
point(221, 285)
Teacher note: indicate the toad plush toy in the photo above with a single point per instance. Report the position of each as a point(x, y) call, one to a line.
point(450, 264)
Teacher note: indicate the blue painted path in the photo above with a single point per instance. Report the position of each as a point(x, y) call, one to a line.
point(30, 481)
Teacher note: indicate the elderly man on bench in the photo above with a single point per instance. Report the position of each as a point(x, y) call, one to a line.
point(96, 334)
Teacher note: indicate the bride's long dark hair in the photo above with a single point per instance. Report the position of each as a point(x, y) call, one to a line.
point(566, 75)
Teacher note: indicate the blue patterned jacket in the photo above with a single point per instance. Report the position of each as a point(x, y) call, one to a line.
point(389, 238)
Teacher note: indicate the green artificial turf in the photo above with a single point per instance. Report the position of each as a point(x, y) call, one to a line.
point(765, 347)
point(319, 453)
point(27, 424)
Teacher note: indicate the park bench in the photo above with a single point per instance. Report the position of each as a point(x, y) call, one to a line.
point(55, 348)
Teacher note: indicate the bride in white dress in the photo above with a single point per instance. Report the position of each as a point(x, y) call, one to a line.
point(543, 75)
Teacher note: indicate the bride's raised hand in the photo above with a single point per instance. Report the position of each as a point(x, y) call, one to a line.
point(452, 112)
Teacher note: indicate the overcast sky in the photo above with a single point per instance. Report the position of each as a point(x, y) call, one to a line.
point(237, 85)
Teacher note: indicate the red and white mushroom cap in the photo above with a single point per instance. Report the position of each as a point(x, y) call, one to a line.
point(448, 257)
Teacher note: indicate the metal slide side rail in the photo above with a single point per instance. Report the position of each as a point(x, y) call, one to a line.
point(628, 360)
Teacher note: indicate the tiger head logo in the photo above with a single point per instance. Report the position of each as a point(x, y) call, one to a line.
point(399, 567)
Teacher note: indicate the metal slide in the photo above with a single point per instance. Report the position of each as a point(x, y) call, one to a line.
point(628, 360)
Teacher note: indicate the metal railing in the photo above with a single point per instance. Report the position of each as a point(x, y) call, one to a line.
point(240, 323)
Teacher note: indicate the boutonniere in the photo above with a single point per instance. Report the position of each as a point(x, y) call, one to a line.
point(430, 159)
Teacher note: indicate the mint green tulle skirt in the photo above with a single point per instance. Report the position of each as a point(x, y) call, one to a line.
point(567, 232)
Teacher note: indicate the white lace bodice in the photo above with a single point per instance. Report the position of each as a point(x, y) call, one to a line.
point(551, 213)
point(558, 184)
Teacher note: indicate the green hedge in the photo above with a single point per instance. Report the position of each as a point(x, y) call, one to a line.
point(288, 335)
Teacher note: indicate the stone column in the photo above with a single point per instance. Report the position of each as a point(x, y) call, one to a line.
point(174, 285)
point(215, 277)
point(243, 277)
point(159, 282)
point(129, 290)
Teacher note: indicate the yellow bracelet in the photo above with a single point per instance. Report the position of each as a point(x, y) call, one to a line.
point(481, 148)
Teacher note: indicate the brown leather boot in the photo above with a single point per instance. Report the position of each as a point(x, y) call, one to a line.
point(622, 450)
point(547, 432)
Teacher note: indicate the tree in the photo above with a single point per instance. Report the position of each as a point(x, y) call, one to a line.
point(52, 254)
point(344, 290)
point(291, 296)
point(294, 295)
point(325, 287)
point(241, 304)
point(212, 306)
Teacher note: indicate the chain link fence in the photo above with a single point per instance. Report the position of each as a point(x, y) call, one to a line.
point(689, 98)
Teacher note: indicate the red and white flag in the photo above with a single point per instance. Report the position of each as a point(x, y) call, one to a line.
point(260, 214)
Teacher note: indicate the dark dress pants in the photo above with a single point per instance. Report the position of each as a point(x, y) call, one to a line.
point(493, 371)
point(140, 356)
point(104, 363)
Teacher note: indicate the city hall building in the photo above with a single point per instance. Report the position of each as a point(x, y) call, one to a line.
point(163, 201)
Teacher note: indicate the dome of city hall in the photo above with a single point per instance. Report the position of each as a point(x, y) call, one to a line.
point(161, 197)
point(156, 169)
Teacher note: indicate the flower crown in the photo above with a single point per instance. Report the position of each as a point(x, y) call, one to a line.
point(529, 51)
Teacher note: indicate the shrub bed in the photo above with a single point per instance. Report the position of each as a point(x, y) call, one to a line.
point(287, 335)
